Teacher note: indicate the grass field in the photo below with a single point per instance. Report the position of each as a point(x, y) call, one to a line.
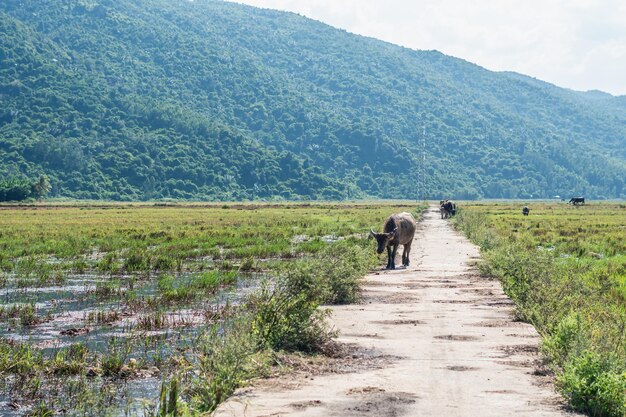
point(565, 268)
point(165, 310)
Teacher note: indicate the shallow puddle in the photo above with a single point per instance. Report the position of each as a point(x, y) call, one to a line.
point(69, 313)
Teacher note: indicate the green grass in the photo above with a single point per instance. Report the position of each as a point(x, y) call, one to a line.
point(148, 238)
point(565, 268)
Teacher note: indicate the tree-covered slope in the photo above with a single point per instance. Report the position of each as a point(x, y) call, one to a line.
point(135, 99)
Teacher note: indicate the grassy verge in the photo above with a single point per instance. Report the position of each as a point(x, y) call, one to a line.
point(565, 268)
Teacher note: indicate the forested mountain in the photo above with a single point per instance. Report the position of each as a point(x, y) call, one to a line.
point(143, 99)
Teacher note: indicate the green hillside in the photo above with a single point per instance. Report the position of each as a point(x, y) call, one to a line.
point(143, 99)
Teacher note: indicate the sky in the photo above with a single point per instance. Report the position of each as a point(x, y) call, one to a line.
point(578, 44)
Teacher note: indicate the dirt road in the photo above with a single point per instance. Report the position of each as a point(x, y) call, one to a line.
point(438, 340)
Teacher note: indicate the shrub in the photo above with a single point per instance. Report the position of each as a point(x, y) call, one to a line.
point(594, 386)
point(342, 266)
point(477, 228)
point(566, 340)
point(227, 358)
point(286, 316)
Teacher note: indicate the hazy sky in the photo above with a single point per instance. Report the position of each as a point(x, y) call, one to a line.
point(579, 44)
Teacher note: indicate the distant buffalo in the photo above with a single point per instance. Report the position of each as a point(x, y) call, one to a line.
point(447, 208)
point(525, 211)
point(576, 200)
point(398, 229)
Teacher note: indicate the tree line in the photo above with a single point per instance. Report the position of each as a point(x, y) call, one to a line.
point(21, 189)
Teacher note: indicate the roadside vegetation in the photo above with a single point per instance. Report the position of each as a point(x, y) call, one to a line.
point(565, 268)
point(166, 310)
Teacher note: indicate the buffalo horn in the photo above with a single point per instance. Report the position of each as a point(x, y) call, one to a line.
point(372, 231)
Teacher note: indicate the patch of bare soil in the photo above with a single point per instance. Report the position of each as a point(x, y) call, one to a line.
point(364, 390)
point(346, 358)
point(511, 350)
point(400, 322)
point(374, 284)
point(454, 301)
point(459, 278)
point(457, 338)
point(519, 364)
point(485, 292)
point(454, 285)
point(501, 391)
point(527, 336)
point(544, 377)
point(373, 401)
point(301, 405)
point(500, 303)
point(406, 312)
point(461, 368)
point(364, 335)
point(416, 285)
point(292, 370)
point(498, 323)
point(393, 298)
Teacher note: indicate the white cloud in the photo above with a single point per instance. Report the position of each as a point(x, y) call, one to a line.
point(579, 44)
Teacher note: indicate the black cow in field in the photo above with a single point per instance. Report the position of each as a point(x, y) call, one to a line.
point(525, 211)
point(576, 200)
point(398, 229)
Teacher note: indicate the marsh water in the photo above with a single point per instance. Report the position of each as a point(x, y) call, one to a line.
point(67, 314)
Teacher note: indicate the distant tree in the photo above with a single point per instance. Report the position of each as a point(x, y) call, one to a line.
point(41, 187)
point(15, 189)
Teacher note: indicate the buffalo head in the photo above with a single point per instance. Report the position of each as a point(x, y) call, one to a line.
point(383, 239)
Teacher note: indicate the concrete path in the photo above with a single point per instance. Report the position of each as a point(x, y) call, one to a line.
point(446, 340)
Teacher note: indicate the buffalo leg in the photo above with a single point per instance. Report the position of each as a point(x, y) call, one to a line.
point(394, 251)
point(405, 255)
point(389, 257)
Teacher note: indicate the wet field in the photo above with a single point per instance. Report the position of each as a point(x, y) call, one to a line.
point(121, 320)
point(100, 305)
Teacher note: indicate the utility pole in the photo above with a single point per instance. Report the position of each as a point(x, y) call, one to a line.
point(421, 183)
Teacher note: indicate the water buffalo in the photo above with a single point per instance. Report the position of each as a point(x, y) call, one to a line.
point(576, 200)
point(447, 208)
point(398, 229)
point(525, 211)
